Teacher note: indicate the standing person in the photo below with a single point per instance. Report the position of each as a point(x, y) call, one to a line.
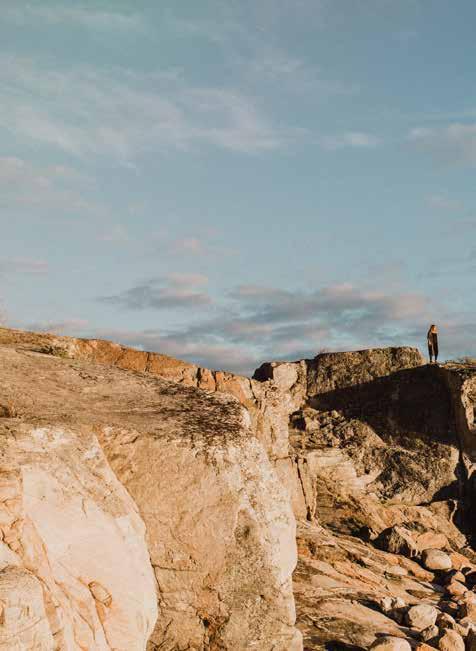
point(432, 338)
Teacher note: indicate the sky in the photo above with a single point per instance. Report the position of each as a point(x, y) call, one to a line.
point(238, 181)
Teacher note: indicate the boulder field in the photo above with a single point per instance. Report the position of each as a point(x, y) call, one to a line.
point(146, 503)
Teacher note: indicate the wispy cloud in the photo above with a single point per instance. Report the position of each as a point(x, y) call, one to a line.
point(462, 263)
point(179, 279)
point(247, 36)
point(207, 244)
point(194, 245)
point(87, 17)
point(13, 170)
point(169, 292)
point(199, 247)
point(464, 226)
point(120, 113)
point(33, 187)
point(454, 143)
point(444, 203)
point(352, 139)
point(22, 266)
point(337, 306)
point(249, 22)
point(115, 234)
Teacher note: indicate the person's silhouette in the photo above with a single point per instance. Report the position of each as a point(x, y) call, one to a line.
point(432, 339)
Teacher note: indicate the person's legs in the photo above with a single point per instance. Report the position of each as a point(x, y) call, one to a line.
point(435, 351)
point(430, 353)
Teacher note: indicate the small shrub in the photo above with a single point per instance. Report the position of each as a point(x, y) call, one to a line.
point(57, 351)
point(467, 361)
point(9, 410)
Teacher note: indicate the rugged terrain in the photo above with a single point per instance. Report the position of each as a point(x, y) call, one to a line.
point(149, 502)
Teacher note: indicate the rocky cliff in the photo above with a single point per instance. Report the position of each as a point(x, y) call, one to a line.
point(150, 502)
point(135, 512)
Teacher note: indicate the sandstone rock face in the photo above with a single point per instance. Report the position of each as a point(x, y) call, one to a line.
point(221, 536)
point(396, 431)
point(375, 450)
point(269, 405)
point(111, 479)
point(331, 371)
point(461, 382)
point(67, 526)
point(23, 621)
point(378, 454)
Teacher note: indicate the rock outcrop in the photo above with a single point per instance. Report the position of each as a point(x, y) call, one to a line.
point(384, 447)
point(373, 449)
point(136, 511)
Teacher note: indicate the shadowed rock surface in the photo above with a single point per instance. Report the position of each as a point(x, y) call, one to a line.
point(384, 448)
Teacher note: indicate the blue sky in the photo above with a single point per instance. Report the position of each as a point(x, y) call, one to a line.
point(236, 181)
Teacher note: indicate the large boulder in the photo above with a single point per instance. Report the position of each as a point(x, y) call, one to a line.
point(435, 559)
point(451, 641)
point(422, 616)
point(331, 371)
point(388, 643)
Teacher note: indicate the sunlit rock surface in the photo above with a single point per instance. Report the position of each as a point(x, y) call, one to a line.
point(373, 449)
point(138, 512)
